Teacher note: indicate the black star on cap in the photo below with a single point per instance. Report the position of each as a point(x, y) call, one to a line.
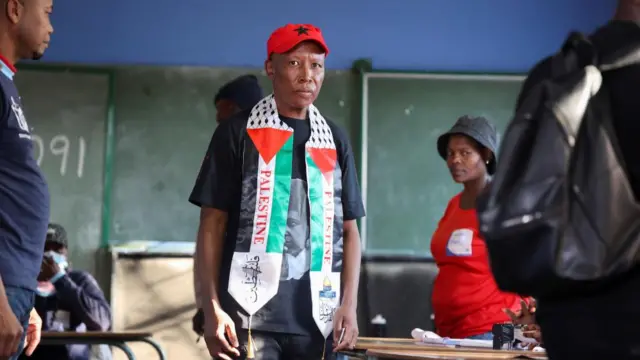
point(302, 31)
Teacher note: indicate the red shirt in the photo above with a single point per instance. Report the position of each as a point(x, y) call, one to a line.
point(466, 300)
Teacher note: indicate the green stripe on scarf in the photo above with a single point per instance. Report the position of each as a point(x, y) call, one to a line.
point(281, 195)
point(316, 207)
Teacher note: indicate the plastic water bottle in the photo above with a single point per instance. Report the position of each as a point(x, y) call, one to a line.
point(379, 326)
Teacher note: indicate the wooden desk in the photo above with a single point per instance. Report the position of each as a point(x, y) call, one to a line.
point(116, 339)
point(410, 349)
point(432, 354)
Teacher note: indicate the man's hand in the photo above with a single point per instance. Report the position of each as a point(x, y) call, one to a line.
point(345, 318)
point(525, 316)
point(33, 333)
point(220, 335)
point(533, 331)
point(197, 323)
point(10, 332)
point(48, 269)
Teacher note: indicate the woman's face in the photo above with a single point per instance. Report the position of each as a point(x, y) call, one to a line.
point(465, 159)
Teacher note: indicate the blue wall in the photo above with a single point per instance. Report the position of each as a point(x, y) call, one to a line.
point(450, 35)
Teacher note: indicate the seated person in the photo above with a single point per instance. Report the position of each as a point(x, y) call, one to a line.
point(465, 298)
point(67, 300)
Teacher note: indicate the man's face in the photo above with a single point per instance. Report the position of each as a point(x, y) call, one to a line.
point(50, 266)
point(225, 109)
point(297, 76)
point(32, 24)
point(55, 247)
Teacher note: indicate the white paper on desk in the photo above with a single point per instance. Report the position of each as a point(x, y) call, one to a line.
point(518, 335)
point(431, 338)
point(428, 337)
point(473, 343)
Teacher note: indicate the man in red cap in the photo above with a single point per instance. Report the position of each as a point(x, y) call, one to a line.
point(279, 198)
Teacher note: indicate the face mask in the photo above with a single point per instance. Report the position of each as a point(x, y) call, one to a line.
point(58, 258)
point(45, 289)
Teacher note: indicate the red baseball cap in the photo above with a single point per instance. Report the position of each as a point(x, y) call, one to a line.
point(287, 37)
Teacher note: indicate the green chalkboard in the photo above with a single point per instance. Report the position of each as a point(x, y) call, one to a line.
point(67, 111)
point(164, 120)
point(407, 185)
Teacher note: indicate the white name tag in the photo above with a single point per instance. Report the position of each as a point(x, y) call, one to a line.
point(460, 243)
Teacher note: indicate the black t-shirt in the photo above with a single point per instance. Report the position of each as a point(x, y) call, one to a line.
point(624, 87)
point(219, 186)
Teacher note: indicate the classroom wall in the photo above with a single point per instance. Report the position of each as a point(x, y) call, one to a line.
point(434, 35)
point(450, 35)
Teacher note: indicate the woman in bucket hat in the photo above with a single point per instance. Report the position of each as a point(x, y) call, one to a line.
point(466, 300)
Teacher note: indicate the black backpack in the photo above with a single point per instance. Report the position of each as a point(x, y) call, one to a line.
point(560, 216)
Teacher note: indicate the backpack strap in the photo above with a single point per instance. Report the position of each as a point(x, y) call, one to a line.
point(625, 57)
point(619, 44)
point(576, 53)
point(579, 51)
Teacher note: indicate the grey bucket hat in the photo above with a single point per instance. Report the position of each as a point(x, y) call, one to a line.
point(478, 128)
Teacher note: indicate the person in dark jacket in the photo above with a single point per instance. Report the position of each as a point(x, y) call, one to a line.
point(67, 300)
point(602, 324)
point(239, 94)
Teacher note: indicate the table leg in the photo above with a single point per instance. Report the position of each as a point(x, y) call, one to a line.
point(156, 347)
point(125, 348)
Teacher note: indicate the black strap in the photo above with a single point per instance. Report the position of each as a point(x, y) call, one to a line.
point(622, 46)
point(625, 57)
point(577, 52)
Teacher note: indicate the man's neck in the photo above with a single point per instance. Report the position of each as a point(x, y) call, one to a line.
point(7, 48)
point(627, 12)
point(297, 115)
point(289, 112)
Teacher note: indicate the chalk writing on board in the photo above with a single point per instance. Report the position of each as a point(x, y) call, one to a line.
point(61, 148)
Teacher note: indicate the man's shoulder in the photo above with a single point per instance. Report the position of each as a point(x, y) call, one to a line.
point(237, 122)
point(8, 91)
point(542, 69)
point(538, 73)
point(607, 39)
point(229, 130)
point(6, 85)
point(614, 36)
point(81, 276)
point(3, 100)
point(339, 134)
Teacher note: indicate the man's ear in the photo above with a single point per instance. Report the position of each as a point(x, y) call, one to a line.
point(14, 10)
point(268, 68)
